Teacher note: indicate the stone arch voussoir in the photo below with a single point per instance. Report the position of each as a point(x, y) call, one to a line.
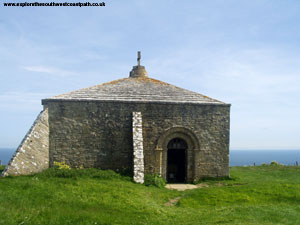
point(177, 132)
point(193, 146)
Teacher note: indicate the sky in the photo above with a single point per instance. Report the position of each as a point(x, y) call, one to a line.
point(246, 53)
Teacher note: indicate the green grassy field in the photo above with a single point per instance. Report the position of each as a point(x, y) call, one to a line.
point(255, 195)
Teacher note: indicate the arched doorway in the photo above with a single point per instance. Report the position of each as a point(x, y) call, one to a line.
point(191, 151)
point(176, 161)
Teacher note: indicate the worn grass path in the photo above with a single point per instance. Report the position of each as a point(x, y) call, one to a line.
point(255, 195)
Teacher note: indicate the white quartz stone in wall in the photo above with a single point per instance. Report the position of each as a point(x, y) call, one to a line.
point(138, 154)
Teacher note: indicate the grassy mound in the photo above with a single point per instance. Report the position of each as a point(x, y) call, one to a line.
point(254, 195)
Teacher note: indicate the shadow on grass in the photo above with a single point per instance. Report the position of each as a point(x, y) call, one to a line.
point(204, 179)
point(81, 173)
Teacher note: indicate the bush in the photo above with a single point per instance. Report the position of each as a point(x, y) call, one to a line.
point(61, 166)
point(154, 180)
point(56, 172)
point(2, 167)
point(274, 163)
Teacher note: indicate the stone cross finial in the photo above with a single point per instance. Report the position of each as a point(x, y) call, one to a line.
point(139, 58)
point(138, 71)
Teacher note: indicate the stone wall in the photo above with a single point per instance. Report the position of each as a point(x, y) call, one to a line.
point(32, 155)
point(99, 134)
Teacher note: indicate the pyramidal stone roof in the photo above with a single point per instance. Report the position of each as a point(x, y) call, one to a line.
point(137, 88)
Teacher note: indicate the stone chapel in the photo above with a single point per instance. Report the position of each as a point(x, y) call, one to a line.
point(136, 123)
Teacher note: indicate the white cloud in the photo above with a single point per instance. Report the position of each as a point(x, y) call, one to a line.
point(50, 70)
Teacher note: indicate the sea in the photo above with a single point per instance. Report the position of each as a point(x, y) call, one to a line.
point(237, 157)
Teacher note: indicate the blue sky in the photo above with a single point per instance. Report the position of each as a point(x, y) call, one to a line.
point(246, 53)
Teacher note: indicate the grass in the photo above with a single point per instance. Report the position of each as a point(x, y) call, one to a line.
point(254, 195)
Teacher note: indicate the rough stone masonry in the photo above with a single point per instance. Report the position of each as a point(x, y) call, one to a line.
point(32, 155)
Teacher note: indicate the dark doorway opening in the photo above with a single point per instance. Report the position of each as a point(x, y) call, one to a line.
point(176, 161)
